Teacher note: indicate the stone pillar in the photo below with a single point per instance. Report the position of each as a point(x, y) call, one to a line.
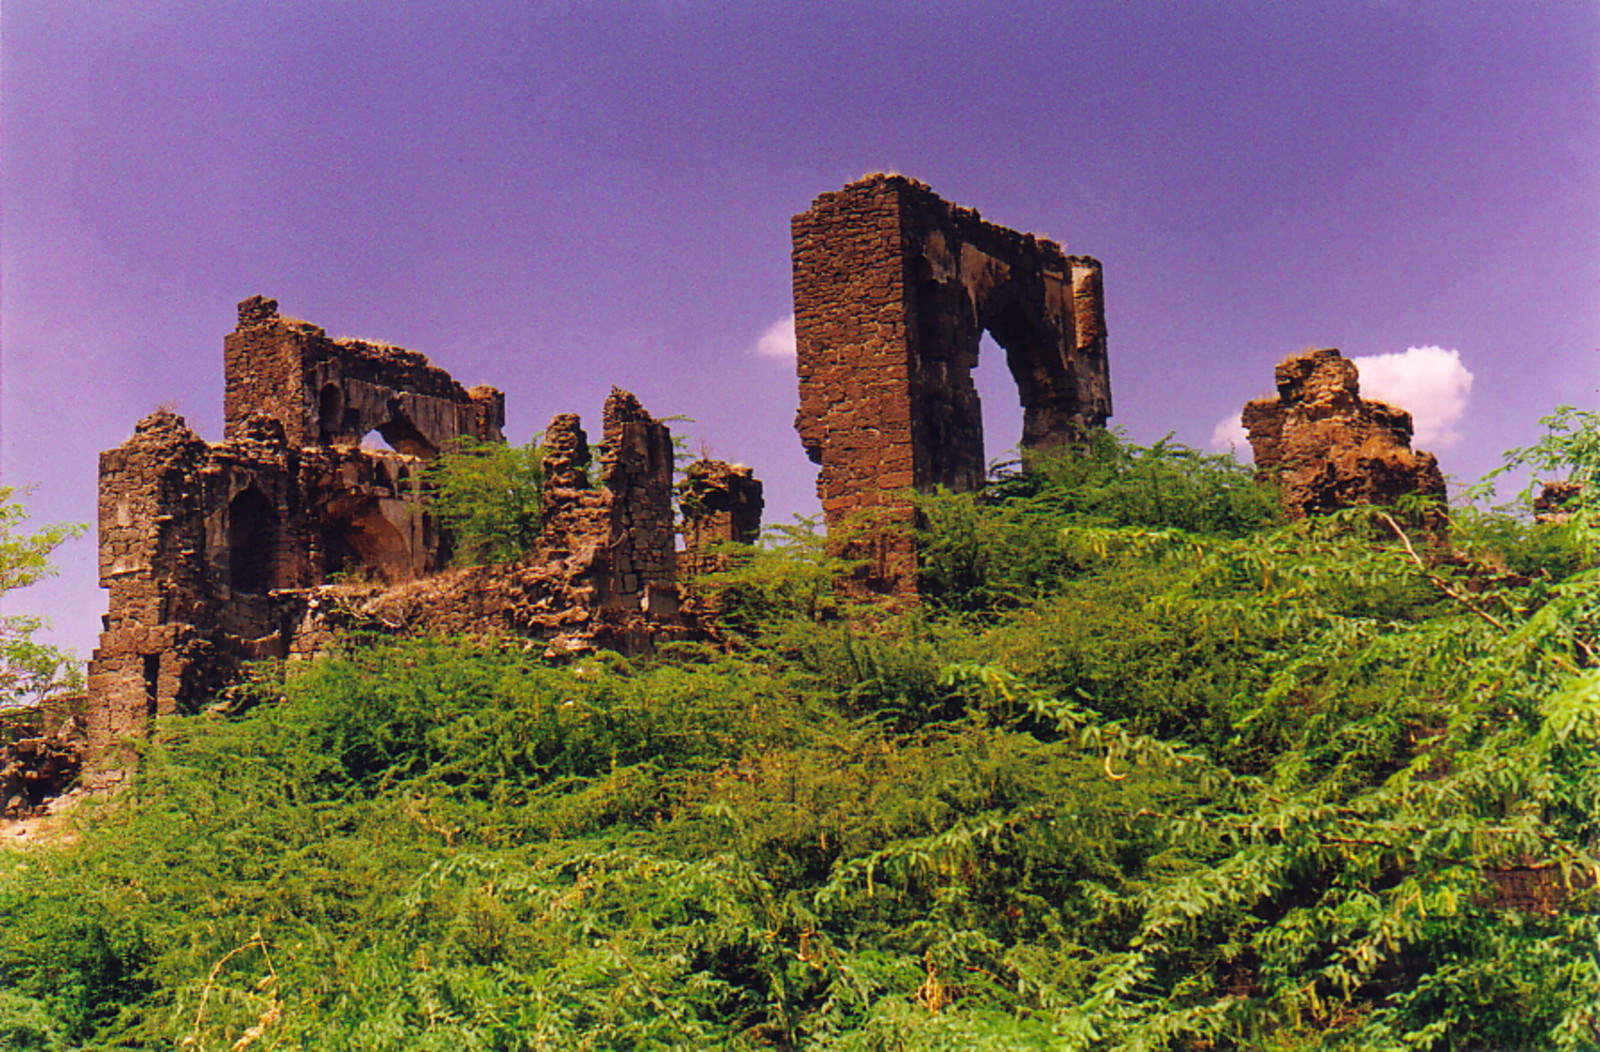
point(636, 460)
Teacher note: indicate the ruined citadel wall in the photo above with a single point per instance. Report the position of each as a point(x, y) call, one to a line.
point(894, 287)
point(198, 541)
point(266, 543)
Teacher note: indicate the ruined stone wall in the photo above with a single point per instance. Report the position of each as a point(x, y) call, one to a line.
point(268, 542)
point(722, 503)
point(602, 574)
point(1557, 501)
point(199, 542)
point(1327, 447)
point(894, 288)
point(152, 559)
point(335, 392)
point(636, 471)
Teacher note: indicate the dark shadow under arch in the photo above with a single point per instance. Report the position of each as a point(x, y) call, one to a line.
point(254, 537)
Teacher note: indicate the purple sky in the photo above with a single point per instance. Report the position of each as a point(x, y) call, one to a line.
point(554, 198)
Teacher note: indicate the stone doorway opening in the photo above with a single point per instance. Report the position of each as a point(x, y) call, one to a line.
point(253, 541)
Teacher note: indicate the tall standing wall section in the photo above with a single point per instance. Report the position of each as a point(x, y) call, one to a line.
point(894, 288)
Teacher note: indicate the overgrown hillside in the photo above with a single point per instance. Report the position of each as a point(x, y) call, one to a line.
point(1155, 770)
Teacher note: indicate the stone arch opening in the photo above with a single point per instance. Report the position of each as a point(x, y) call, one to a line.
point(403, 437)
point(365, 543)
point(253, 540)
point(1030, 353)
point(1000, 404)
point(330, 412)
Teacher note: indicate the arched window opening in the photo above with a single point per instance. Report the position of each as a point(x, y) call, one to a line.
point(253, 540)
point(371, 545)
point(330, 412)
point(403, 437)
point(373, 441)
point(1033, 361)
point(1001, 403)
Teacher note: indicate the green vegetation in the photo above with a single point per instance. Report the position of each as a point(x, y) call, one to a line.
point(29, 670)
point(488, 494)
point(1157, 771)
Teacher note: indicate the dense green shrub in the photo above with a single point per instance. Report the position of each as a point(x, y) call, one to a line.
point(489, 496)
point(1008, 544)
point(1184, 777)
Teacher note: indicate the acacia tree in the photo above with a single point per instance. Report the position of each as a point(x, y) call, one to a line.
point(29, 669)
point(489, 495)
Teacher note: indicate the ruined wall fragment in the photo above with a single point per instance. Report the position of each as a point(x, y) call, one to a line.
point(603, 573)
point(335, 392)
point(1557, 501)
point(199, 542)
point(722, 504)
point(1327, 447)
point(894, 288)
point(636, 471)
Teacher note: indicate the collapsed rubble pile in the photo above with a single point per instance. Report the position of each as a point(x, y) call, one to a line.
point(38, 765)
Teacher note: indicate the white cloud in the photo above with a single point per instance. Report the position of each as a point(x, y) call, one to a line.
point(1229, 435)
point(1430, 382)
point(777, 341)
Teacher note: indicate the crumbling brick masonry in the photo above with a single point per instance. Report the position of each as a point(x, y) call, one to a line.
point(722, 503)
point(263, 543)
point(197, 540)
point(1327, 447)
point(893, 289)
point(603, 572)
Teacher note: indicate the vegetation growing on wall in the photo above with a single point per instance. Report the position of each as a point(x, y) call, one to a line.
point(1158, 771)
point(489, 496)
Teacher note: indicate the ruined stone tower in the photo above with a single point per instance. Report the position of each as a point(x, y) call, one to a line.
point(893, 289)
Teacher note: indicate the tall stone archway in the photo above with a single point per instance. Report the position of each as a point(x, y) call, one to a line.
point(894, 288)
